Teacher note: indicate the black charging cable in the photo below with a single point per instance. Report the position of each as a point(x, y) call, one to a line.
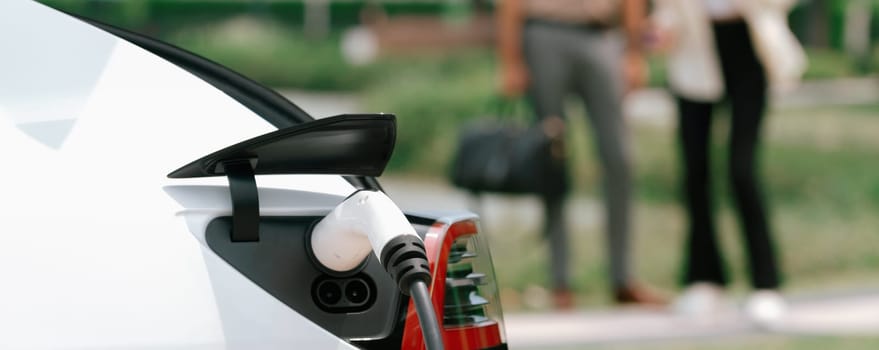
point(405, 259)
point(430, 328)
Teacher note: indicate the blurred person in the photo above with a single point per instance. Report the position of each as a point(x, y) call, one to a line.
point(549, 48)
point(735, 50)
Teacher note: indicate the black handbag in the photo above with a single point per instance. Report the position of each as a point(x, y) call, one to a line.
point(494, 155)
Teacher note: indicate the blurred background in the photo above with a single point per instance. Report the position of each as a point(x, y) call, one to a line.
point(432, 63)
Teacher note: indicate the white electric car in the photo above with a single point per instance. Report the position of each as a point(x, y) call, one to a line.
point(152, 199)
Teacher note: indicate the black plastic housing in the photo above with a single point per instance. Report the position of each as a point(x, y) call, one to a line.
point(280, 264)
point(355, 144)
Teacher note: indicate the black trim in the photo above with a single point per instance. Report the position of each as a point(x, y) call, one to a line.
point(421, 219)
point(245, 200)
point(344, 145)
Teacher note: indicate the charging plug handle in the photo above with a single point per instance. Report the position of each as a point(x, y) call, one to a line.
point(405, 260)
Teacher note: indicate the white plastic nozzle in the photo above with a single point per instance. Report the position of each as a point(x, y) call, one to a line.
point(364, 222)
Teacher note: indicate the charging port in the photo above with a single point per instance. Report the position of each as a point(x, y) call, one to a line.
point(344, 295)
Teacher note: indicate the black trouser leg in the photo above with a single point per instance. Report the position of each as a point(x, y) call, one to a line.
point(747, 88)
point(749, 198)
point(703, 261)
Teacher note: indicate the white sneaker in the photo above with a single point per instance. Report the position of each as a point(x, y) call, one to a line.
point(699, 300)
point(765, 308)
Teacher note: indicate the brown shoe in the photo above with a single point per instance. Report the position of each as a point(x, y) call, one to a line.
point(639, 294)
point(563, 299)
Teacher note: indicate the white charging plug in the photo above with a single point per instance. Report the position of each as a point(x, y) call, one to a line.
point(366, 221)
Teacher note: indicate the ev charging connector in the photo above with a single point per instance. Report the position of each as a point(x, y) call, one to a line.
point(370, 221)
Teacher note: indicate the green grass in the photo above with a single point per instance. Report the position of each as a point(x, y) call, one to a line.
point(827, 64)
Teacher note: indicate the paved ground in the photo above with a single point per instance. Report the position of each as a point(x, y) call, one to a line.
point(851, 314)
point(657, 106)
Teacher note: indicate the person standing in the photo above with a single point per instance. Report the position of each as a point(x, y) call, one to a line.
point(735, 50)
point(549, 48)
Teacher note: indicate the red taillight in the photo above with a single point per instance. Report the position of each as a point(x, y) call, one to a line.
point(464, 291)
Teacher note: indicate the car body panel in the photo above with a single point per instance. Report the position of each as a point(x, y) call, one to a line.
point(95, 247)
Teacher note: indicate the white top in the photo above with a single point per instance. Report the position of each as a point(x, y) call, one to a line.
point(718, 9)
point(693, 66)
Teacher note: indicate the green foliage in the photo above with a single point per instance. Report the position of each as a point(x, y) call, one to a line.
point(171, 15)
point(279, 58)
point(828, 64)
